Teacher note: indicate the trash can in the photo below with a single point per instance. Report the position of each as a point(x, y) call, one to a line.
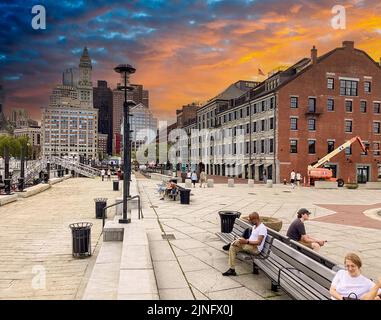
point(227, 220)
point(173, 180)
point(46, 177)
point(81, 234)
point(115, 185)
point(100, 204)
point(185, 196)
point(21, 184)
point(7, 186)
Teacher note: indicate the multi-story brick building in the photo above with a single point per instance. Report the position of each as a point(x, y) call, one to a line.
point(297, 116)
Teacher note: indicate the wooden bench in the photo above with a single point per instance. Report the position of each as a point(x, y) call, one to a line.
point(239, 227)
point(299, 271)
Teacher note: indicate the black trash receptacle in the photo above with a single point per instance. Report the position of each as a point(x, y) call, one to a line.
point(81, 234)
point(46, 177)
point(185, 196)
point(173, 180)
point(7, 186)
point(21, 184)
point(100, 204)
point(227, 220)
point(115, 185)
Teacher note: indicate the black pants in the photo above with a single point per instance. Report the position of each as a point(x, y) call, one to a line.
point(194, 182)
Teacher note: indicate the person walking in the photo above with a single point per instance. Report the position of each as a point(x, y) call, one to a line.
point(194, 178)
point(109, 174)
point(202, 179)
point(103, 172)
point(298, 178)
point(264, 177)
point(292, 178)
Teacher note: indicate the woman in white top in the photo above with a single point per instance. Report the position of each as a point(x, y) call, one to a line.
point(350, 282)
point(194, 178)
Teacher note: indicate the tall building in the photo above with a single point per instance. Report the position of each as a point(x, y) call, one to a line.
point(138, 95)
point(20, 118)
point(70, 123)
point(143, 125)
point(103, 98)
point(5, 126)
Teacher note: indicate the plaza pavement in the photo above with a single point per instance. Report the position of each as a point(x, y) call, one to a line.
point(35, 236)
point(189, 263)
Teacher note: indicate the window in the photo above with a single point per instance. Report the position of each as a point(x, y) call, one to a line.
point(363, 106)
point(293, 146)
point(247, 147)
point(271, 145)
point(366, 144)
point(348, 88)
point(254, 126)
point(348, 125)
point(330, 83)
point(272, 103)
point(263, 128)
point(376, 127)
point(331, 146)
point(376, 148)
point(311, 146)
point(348, 105)
point(263, 106)
point(311, 124)
point(247, 128)
point(262, 146)
point(348, 151)
point(294, 123)
point(376, 107)
point(367, 87)
point(294, 102)
point(271, 123)
point(254, 146)
point(312, 105)
point(330, 105)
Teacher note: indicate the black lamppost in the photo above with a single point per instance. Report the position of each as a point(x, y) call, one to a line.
point(125, 70)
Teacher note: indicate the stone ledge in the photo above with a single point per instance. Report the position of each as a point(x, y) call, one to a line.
point(326, 185)
point(33, 190)
point(370, 185)
point(4, 199)
point(113, 231)
point(55, 180)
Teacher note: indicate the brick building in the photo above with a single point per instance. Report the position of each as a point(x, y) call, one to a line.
point(297, 116)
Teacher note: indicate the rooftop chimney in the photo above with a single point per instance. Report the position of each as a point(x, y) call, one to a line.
point(349, 45)
point(314, 55)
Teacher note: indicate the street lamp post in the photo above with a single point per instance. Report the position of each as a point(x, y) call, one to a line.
point(125, 70)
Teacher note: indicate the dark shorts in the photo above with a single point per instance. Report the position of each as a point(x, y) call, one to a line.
point(292, 180)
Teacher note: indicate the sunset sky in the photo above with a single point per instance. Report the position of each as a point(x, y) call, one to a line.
point(183, 50)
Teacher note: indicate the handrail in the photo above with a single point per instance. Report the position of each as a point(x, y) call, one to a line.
point(140, 211)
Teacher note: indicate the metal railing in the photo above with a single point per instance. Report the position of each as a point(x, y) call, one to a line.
point(140, 211)
point(80, 168)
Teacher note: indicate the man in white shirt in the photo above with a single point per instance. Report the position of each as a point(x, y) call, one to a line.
point(253, 245)
point(292, 179)
point(103, 172)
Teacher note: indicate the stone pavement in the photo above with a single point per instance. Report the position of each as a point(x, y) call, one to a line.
point(35, 237)
point(189, 262)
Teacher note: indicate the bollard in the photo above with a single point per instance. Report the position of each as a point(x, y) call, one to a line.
point(250, 183)
point(210, 183)
point(188, 183)
point(230, 183)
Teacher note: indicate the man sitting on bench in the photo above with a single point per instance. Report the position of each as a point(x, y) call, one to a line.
point(170, 190)
point(296, 231)
point(253, 245)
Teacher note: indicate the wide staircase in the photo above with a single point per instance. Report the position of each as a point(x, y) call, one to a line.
point(79, 168)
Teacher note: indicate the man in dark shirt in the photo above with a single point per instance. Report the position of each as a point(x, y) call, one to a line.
point(296, 231)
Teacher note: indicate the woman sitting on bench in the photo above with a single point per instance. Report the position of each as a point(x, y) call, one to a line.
point(170, 190)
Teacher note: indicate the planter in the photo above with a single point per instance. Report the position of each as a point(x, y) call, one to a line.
point(351, 185)
point(272, 223)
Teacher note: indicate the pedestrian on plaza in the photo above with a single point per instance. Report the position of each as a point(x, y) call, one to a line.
point(253, 245)
point(194, 178)
point(292, 178)
point(298, 178)
point(103, 172)
point(264, 177)
point(350, 283)
point(189, 174)
point(119, 174)
point(202, 179)
point(109, 174)
point(297, 231)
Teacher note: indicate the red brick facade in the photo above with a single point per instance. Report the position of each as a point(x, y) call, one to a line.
point(345, 62)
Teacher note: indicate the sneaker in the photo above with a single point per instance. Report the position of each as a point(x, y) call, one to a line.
point(226, 247)
point(230, 272)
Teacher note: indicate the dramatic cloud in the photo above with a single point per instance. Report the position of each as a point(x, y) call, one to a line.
point(184, 51)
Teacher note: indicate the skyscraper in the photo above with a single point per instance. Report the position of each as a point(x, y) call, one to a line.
point(102, 96)
point(70, 123)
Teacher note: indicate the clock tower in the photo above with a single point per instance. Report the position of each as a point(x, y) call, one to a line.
point(85, 86)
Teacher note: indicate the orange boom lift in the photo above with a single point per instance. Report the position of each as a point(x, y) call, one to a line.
point(324, 174)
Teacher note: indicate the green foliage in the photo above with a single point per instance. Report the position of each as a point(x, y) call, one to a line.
point(14, 145)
